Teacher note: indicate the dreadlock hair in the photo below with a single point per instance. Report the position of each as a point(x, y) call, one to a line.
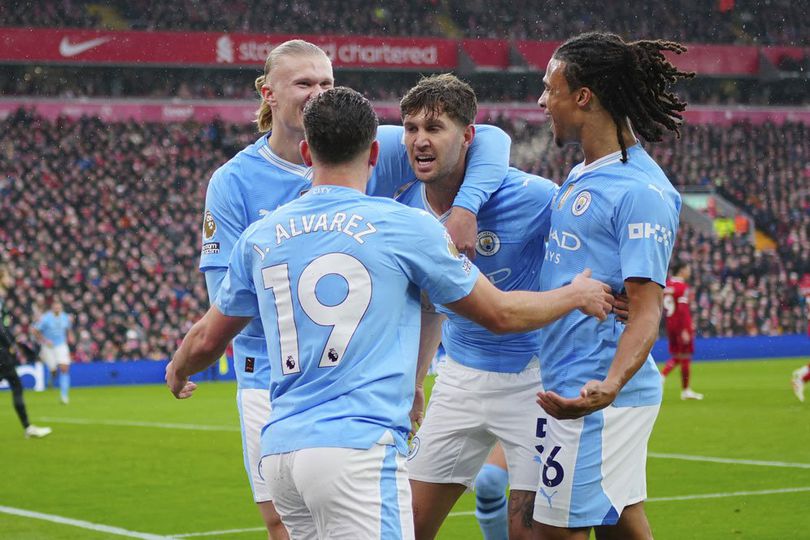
point(631, 79)
point(293, 47)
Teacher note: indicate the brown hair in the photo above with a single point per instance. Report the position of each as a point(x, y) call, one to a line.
point(439, 94)
point(293, 47)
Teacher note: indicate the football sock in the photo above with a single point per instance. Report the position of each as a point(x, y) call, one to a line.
point(490, 502)
point(685, 369)
point(64, 384)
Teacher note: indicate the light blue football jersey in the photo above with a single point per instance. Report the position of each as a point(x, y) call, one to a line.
point(256, 181)
point(336, 276)
point(512, 227)
point(54, 327)
point(620, 220)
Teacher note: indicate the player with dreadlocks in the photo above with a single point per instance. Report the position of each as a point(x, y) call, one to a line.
point(618, 214)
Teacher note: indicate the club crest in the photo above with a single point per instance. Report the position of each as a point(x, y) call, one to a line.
point(488, 243)
point(581, 203)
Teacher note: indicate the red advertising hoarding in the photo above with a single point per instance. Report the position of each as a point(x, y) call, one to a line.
point(210, 48)
point(35, 45)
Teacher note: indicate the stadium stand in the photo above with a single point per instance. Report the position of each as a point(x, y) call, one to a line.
point(116, 209)
point(106, 213)
point(704, 21)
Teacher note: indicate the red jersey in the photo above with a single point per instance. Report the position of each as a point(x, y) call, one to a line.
point(676, 305)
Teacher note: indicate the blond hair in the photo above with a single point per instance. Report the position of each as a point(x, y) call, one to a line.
point(293, 47)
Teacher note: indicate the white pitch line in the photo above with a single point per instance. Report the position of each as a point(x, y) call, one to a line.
point(710, 459)
point(729, 494)
point(472, 513)
point(135, 423)
point(81, 524)
point(217, 533)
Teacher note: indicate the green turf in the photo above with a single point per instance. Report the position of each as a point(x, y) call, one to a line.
point(171, 481)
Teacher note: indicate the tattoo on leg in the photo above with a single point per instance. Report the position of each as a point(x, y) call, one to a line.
point(521, 505)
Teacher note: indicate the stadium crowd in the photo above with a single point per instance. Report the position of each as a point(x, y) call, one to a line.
point(703, 21)
point(161, 83)
point(107, 217)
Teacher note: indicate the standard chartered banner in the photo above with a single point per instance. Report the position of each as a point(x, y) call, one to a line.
point(215, 48)
point(189, 49)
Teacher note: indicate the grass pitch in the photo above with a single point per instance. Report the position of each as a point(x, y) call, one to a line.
point(134, 462)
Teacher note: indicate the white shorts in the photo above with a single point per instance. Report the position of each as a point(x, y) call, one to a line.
point(55, 355)
point(254, 413)
point(593, 467)
point(469, 411)
point(342, 493)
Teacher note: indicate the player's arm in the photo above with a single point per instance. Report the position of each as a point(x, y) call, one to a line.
point(202, 346)
point(503, 312)
point(430, 260)
point(213, 281)
point(223, 222)
point(487, 165)
point(234, 307)
point(40, 337)
point(639, 335)
point(430, 335)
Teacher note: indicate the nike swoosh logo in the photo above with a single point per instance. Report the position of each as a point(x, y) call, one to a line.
point(68, 49)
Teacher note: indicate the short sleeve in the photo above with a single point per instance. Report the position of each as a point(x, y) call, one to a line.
point(393, 168)
point(430, 260)
point(646, 222)
point(223, 221)
point(487, 165)
point(237, 295)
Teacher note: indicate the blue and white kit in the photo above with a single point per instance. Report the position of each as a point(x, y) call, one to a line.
point(254, 183)
point(620, 220)
point(486, 390)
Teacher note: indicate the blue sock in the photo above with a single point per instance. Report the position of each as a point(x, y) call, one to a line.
point(64, 384)
point(490, 502)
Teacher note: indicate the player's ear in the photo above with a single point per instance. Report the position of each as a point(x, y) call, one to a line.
point(469, 135)
point(374, 153)
point(303, 147)
point(267, 94)
point(585, 97)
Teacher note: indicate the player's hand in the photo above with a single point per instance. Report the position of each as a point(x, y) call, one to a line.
point(595, 395)
point(179, 386)
point(595, 297)
point(417, 413)
point(462, 225)
point(621, 307)
point(685, 337)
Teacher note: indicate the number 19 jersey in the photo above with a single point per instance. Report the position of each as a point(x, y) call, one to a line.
point(335, 277)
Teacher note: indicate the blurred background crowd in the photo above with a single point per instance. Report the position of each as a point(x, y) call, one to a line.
point(107, 215)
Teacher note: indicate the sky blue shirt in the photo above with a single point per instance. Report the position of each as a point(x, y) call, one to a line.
point(54, 327)
point(336, 276)
point(512, 227)
point(256, 181)
point(620, 220)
